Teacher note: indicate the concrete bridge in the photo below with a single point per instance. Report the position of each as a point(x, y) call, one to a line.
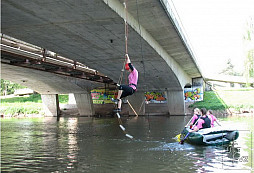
point(92, 33)
point(227, 81)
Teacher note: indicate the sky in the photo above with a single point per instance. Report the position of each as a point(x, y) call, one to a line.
point(215, 29)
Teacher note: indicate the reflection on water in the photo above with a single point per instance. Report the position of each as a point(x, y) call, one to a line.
point(98, 145)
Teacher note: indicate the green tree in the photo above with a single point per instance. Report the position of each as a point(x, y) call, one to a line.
point(248, 38)
point(229, 70)
point(8, 87)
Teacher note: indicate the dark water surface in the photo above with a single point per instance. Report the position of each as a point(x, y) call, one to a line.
point(99, 145)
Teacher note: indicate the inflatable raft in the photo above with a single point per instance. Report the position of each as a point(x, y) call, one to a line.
point(210, 136)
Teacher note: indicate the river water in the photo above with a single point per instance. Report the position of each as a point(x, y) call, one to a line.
point(98, 145)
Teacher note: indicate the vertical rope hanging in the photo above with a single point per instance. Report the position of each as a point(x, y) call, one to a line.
point(126, 34)
point(126, 26)
point(122, 71)
point(143, 62)
point(126, 41)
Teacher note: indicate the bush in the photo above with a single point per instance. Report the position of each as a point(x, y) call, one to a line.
point(36, 98)
point(63, 99)
point(21, 108)
point(26, 105)
point(8, 87)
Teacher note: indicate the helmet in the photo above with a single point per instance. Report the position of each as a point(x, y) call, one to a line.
point(127, 66)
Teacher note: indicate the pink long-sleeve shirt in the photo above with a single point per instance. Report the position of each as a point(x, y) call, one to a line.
point(200, 123)
point(212, 118)
point(195, 117)
point(133, 78)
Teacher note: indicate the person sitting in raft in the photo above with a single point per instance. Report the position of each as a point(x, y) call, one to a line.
point(195, 117)
point(126, 90)
point(212, 118)
point(203, 121)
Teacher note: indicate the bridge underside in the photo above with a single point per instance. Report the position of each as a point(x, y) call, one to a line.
point(45, 82)
point(92, 33)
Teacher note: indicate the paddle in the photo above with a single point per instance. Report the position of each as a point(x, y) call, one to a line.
point(179, 135)
point(189, 121)
point(182, 141)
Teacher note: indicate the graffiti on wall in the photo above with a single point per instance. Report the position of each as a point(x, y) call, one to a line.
point(155, 97)
point(103, 96)
point(193, 94)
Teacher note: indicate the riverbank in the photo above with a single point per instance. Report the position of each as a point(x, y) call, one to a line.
point(25, 106)
point(226, 102)
point(221, 102)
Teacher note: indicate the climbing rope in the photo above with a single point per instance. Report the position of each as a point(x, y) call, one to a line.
point(126, 26)
point(143, 62)
point(126, 41)
point(126, 31)
point(121, 75)
point(122, 71)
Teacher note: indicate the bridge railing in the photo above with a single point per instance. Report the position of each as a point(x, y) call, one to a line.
point(173, 15)
point(25, 55)
point(39, 53)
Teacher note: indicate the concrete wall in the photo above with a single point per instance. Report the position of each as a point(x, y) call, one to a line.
point(85, 104)
point(175, 102)
point(51, 104)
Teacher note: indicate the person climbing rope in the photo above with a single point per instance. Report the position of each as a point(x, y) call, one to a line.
point(126, 90)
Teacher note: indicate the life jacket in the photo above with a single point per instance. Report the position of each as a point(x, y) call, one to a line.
point(196, 119)
point(207, 123)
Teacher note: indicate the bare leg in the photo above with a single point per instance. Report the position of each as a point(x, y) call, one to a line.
point(118, 97)
point(119, 104)
point(119, 94)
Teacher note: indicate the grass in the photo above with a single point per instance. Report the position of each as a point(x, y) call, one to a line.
point(35, 98)
point(210, 101)
point(237, 98)
point(21, 108)
point(26, 105)
point(223, 99)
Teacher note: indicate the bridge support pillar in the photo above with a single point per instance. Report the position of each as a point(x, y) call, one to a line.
point(175, 102)
point(137, 102)
point(85, 104)
point(51, 104)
